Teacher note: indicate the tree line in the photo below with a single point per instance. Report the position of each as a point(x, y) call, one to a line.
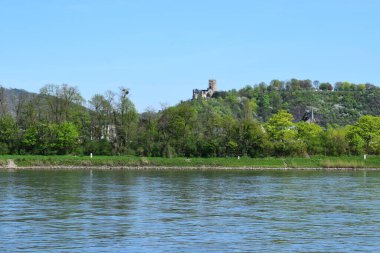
point(256, 121)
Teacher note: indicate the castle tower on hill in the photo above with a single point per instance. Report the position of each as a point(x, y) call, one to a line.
point(212, 87)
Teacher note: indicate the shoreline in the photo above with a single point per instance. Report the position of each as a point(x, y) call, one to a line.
point(179, 168)
point(158, 163)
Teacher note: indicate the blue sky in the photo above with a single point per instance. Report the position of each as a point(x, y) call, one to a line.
point(163, 49)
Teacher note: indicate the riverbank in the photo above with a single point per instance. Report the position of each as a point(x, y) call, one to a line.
point(133, 162)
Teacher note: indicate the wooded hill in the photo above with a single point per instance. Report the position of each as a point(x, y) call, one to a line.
point(340, 104)
point(258, 121)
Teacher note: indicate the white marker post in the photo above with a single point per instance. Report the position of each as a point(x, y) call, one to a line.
point(90, 155)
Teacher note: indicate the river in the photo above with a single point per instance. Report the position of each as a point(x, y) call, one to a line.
point(189, 211)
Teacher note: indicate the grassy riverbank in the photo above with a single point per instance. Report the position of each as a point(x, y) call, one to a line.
point(120, 161)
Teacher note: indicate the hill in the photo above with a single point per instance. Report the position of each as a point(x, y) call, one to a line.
point(257, 121)
point(341, 105)
point(11, 100)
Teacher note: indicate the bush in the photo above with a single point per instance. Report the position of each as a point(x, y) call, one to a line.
point(3, 149)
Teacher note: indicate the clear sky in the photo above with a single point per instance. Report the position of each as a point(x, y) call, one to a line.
point(162, 49)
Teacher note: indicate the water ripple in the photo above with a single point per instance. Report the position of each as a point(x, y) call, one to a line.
point(189, 211)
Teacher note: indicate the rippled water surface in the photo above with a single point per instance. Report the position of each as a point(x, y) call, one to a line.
point(189, 211)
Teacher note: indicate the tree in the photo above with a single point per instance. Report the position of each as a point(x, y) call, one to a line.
point(61, 100)
point(3, 102)
point(38, 139)
point(264, 106)
point(126, 126)
point(282, 132)
point(276, 85)
point(8, 135)
point(148, 139)
point(177, 124)
point(355, 141)
point(335, 141)
point(345, 86)
point(361, 87)
point(366, 131)
point(295, 84)
point(311, 135)
point(249, 106)
point(253, 138)
point(325, 86)
point(66, 138)
point(102, 118)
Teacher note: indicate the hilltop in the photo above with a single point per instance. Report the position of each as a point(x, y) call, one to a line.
point(340, 104)
point(11, 100)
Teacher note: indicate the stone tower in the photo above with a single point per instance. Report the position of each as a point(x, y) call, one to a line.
point(212, 85)
point(206, 93)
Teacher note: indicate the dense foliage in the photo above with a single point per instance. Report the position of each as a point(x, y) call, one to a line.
point(256, 121)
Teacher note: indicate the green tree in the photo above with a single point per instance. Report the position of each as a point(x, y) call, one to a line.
point(368, 130)
point(249, 106)
point(148, 138)
point(335, 141)
point(66, 138)
point(178, 123)
point(265, 106)
point(62, 100)
point(282, 133)
point(126, 124)
point(311, 135)
point(253, 139)
point(8, 135)
point(325, 86)
point(355, 141)
point(102, 117)
point(38, 139)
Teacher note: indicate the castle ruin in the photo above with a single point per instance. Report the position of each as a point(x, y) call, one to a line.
point(206, 93)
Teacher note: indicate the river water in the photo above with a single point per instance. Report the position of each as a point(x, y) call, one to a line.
point(190, 211)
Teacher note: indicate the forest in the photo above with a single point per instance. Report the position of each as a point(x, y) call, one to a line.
point(262, 120)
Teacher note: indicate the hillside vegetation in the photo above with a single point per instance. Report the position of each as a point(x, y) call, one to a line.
point(256, 121)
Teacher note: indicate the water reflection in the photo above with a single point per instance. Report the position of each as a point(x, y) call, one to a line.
point(233, 211)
